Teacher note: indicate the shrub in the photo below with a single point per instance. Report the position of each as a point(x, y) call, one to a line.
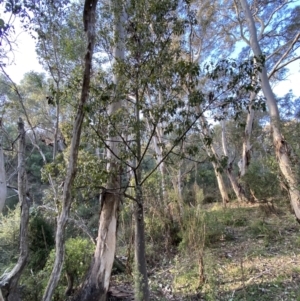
point(41, 241)
point(77, 260)
point(9, 239)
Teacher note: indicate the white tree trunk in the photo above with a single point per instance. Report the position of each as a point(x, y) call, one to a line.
point(221, 184)
point(96, 284)
point(280, 144)
point(246, 148)
point(9, 282)
point(234, 183)
point(211, 151)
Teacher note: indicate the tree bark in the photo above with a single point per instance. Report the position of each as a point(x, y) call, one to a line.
point(211, 151)
point(221, 184)
point(141, 277)
point(246, 148)
point(3, 188)
point(96, 284)
point(238, 190)
point(280, 144)
point(9, 282)
point(89, 27)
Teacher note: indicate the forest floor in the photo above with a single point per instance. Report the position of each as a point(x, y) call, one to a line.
point(252, 253)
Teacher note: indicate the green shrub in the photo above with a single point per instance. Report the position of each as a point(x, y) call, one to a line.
point(261, 228)
point(9, 239)
point(262, 178)
point(41, 241)
point(77, 259)
point(209, 199)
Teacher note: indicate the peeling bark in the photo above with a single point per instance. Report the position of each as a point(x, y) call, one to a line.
point(96, 284)
point(89, 22)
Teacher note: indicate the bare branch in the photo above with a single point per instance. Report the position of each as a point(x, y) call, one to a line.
point(284, 55)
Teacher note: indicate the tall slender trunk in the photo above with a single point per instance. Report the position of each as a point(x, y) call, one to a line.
point(238, 190)
point(56, 128)
point(3, 189)
point(162, 168)
point(280, 144)
point(9, 282)
point(96, 284)
point(221, 184)
point(89, 17)
point(246, 148)
point(157, 142)
point(211, 151)
point(141, 277)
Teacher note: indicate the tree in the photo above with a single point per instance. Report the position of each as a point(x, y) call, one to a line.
point(3, 189)
point(280, 144)
point(9, 281)
point(89, 18)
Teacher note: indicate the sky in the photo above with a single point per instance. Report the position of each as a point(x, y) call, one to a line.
point(24, 59)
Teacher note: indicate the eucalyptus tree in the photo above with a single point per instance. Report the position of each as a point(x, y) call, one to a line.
point(280, 144)
point(148, 83)
point(279, 40)
point(89, 20)
point(207, 24)
point(9, 281)
point(53, 23)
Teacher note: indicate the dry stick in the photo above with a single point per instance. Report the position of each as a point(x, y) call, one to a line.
point(201, 255)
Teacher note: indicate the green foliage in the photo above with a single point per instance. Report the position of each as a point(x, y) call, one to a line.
point(262, 178)
point(41, 241)
point(78, 256)
point(9, 239)
point(208, 199)
point(203, 227)
point(260, 228)
point(77, 259)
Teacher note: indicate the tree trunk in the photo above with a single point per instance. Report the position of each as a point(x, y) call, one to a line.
point(141, 278)
point(280, 144)
point(221, 184)
point(96, 284)
point(215, 163)
point(157, 140)
point(238, 190)
point(9, 282)
point(3, 189)
point(246, 149)
point(89, 17)
point(56, 127)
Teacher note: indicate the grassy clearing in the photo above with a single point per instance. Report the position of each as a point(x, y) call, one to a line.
point(249, 254)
